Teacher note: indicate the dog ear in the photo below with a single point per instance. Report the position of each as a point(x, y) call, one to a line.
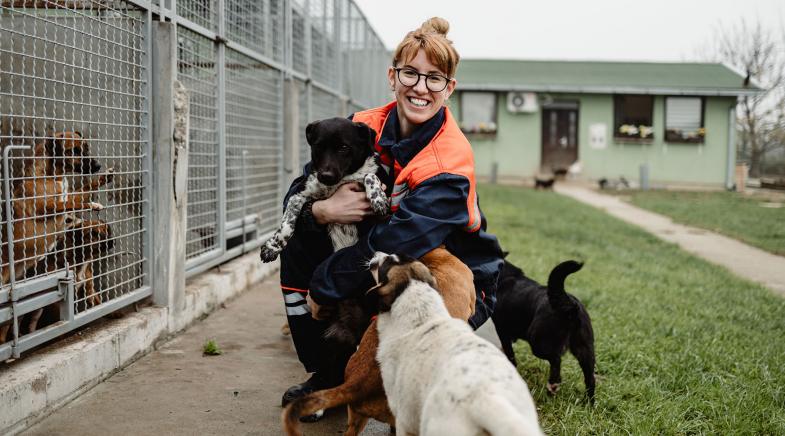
point(55, 144)
point(505, 254)
point(421, 272)
point(311, 132)
point(367, 134)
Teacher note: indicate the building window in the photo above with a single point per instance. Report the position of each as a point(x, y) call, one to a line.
point(684, 119)
point(633, 117)
point(478, 112)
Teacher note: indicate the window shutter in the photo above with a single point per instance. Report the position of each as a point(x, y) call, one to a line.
point(683, 113)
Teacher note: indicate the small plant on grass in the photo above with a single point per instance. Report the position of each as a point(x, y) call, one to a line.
point(210, 348)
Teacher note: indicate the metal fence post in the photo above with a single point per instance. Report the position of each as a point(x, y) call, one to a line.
point(291, 146)
point(169, 172)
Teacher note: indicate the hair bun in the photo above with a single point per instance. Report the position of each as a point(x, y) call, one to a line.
point(436, 25)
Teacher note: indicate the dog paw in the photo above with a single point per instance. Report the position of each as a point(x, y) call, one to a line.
point(268, 254)
point(553, 388)
point(313, 418)
point(95, 206)
point(108, 176)
point(379, 205)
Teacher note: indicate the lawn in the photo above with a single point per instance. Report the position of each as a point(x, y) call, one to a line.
point(739, 216)
point(683, 346)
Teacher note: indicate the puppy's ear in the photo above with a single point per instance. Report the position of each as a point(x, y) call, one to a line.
point(367, 134)
point(55, 144)
point(311, 132)
point(505, 254)
point(421, 272)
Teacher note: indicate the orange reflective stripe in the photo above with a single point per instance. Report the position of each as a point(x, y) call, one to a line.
point(287, 288)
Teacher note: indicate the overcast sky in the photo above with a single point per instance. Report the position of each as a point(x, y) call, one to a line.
point(655, 30)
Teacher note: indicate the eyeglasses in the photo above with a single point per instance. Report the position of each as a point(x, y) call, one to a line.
point(410, 77)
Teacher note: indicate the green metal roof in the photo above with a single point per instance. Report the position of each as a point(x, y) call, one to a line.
point(601, 77)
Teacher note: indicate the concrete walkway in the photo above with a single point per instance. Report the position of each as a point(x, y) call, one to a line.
point(177, 391)
point(743, 260)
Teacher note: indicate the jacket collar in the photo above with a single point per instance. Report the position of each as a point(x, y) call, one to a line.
point(404, 150)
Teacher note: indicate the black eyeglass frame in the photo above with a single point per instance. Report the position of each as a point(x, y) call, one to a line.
point(419, 75)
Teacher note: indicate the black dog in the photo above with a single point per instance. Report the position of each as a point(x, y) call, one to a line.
point(548, 318)
point(341, 152)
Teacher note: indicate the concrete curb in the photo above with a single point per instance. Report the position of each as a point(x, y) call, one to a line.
point(34, 387)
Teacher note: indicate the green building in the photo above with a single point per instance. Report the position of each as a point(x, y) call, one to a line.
point(529, 117)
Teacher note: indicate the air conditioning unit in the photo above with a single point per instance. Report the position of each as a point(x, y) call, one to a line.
point(521, 102)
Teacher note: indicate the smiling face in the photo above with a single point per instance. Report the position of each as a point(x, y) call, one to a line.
point(417, 104)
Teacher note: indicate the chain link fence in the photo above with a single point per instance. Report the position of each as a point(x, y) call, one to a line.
point(76, 137)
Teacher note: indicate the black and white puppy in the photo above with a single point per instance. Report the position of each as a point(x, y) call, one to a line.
point(548, 318)
point(342, 152)
point(439, 376)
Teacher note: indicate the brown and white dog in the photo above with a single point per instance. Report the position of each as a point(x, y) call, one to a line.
point(42, 202)
point(84, 243)
point(439, 376)
point(362, 390)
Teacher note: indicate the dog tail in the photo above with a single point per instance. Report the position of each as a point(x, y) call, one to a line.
point(500, 418)
point(560, 301)
point(310, 404)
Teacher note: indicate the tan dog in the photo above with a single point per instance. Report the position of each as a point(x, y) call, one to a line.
point(42, 201)
point(362, 390)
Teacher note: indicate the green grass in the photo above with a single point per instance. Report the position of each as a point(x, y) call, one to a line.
point(210, 348)
point(683, 346)
point(736, 215)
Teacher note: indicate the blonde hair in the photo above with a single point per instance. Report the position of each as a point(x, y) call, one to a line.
point(432, 38)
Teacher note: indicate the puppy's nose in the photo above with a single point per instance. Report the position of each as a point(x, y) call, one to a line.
point(327, 177)
point(95, 166)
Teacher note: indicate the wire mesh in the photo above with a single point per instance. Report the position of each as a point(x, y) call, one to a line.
point(198, 72)
point(299, 41)
point(257, 24)
point(201, 12)
point(254, 135)
point(302, 103)
point(72, 87)
point(325, 105)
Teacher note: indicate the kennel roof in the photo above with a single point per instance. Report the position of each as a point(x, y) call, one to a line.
point(601, 77)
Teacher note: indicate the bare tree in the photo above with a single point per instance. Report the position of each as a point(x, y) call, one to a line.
point(757, 53)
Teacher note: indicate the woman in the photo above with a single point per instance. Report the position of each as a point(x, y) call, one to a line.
point(428, 165)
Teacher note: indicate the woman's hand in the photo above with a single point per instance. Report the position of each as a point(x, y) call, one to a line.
point(348, 205)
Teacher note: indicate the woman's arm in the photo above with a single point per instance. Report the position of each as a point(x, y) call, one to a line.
point(422, 222)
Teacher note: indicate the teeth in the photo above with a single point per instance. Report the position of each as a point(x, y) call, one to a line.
point(418, 102)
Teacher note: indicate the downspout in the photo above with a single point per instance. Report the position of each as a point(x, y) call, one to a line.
point(731, 169)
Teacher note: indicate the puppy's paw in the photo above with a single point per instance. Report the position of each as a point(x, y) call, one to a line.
point(553, 388)
point(375, 194)
point(379, 204)
point(313, 418)
point(268, 254)
point(107, 177)
point(95, 206)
